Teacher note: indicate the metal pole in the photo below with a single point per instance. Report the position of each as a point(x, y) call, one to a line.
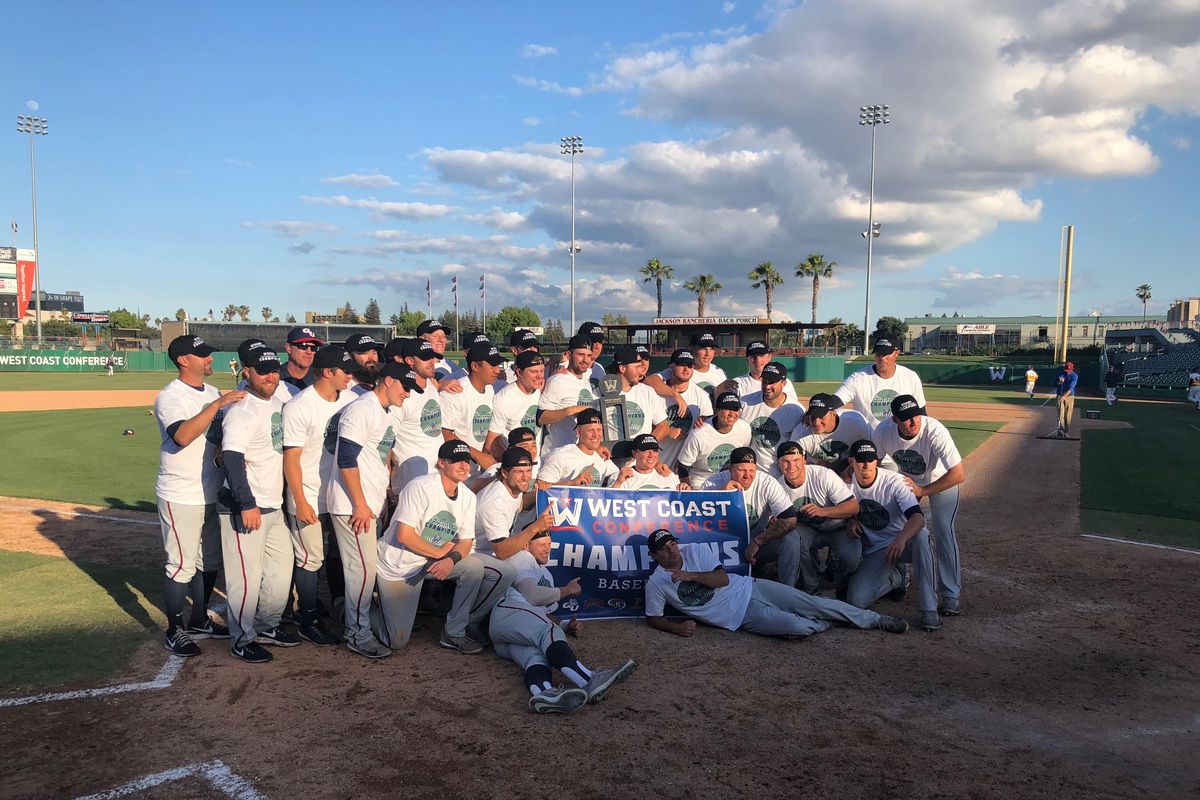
point(572, 238)
point(870, 242)
point(1066, 308)
point(37, 255)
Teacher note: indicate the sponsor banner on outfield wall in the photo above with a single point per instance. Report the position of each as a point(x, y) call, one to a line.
point(90, 317)
point(750, 320)
point(600, 537)
point(58, 360)
point(977, 328)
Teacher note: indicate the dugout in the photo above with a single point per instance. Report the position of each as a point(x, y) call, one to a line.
point(665, 334)
point(226, 336)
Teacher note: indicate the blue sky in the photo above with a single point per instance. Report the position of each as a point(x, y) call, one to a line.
point(288, 156)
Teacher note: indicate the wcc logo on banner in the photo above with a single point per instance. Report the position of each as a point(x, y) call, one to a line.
point(599, 536)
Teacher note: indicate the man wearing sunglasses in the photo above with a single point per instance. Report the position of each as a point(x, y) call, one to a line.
point(301, 347)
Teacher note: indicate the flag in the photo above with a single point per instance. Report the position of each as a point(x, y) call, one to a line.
point(429, 290)
point(454, 286)
point(482, 286)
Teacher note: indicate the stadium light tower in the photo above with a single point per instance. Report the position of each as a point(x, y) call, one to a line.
point(872, 116)
point(572, 146)
point(34, 126)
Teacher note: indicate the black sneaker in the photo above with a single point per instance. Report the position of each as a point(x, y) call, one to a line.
point(889, 624)
point(317, 634)
point(251, 653)
point(278, 637)
point(181, 644)
point(901, 591)
point(209, 630)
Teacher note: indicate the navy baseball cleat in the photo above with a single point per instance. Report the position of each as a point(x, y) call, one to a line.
point(558, 701)
point(209, 630)
point(251, 653)
point(317, 634)
point(930, 621)
point(180, 644)
point(949, 607)
point(278, 637)
point(889, 624)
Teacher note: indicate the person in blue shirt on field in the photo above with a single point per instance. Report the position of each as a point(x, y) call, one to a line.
point(1064, 390)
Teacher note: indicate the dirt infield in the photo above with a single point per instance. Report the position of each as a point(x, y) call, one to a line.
point(64, 400)
point(1073, 673)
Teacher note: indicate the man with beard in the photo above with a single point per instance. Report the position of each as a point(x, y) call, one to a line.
point(825, 435)
point(566, 394)
point(516, 405)
point(645, 411)
point(870, 391)
point(707, 449)
point(467, 414)
point(770, 414)
point(365, 351)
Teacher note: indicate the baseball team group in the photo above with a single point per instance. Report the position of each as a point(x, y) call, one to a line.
point(385, 466)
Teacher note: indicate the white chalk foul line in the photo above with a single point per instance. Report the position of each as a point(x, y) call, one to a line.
point(1139, 544)
point(165, 677)
point(215, 772)
point(89, 515)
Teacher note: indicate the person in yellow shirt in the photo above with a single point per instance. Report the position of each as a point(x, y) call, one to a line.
point(1031, 377)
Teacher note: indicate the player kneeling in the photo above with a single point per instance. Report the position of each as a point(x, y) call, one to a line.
point(523, 632)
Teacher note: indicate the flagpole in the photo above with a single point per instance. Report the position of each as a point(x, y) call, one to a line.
point(429, 293)
point(483, 294)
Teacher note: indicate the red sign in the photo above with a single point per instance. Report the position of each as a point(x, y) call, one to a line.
point(25, 270)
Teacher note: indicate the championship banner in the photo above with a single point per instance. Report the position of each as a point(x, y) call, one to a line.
point(599, 536)
point(26, 264)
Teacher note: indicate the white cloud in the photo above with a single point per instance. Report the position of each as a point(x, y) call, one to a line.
point(372, 180)
point(237, 162)
point(384, 208)
point(548, 86)
point(500, 219)
point(972, 289)
point(532, 122)
point(1181, 143)
point(292, 229)
point(32, 105)
point(303, 248)
point(727, 8)
point(538, 51)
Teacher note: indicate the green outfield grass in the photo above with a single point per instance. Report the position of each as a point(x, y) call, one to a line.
point(1140, 483)
point(1011, 394)
point(71, 623)
point(96, 381)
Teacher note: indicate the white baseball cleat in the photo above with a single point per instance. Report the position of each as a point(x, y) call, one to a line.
point(558, 701)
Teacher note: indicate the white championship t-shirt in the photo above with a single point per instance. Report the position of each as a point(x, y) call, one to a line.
point(418, 424)
point(495, 513)
point(699, 405)
point(643, 410)
point(447, 369)
point(368, 424)
point(764, 499)
point(881, 508)
point(567, 463)
point(769, 426)
point(747, 384)
point(563, 390)
point(187, 475)
point(871, 395)
point(528, 567)
point(512, 408)
point(708, 381)
point(438, 519)
point(722, 608)
point(926, 457)
point(311, 422)
point(706, 450)
point(650, 480)
point(254, 428)
point(468, 413)
point(827, 448)
point(822, 487)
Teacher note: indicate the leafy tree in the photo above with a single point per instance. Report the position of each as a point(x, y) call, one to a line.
point(229, 313)
point(815, 267)
point(180, 315)
point(406, 321)
point(555, 335)
point(274, 319)
point(614, 319)
point(123, 318)
point(373, 316)
point(508, 319)
point(55, 328)
point(702, 286)
point(893, 328)
point(765, 276)
point(243, 313)
point(291, 319)
point(1143, 293)
point(658, 272)
point(845, 334)
point(267, 313)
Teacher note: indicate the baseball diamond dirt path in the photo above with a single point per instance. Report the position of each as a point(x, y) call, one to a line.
point(1073, 673)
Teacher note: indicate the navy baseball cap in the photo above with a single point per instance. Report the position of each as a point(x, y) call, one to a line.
point(703, 340)
point(523, 339)
point(471, 338)
point(429, 326)
point(589, 416)
point(757, 348)
point(484, 351)
point(624, 356)
point(905, 407)
point(521, 436)
point(455, 451)
point(743, 455)
point(333, 356)
point(580, 341)
point(419, 349)
point(188, 346)
point(527, 359)
point(683, 357)
point(642, 351)
point(645, 442)
point(820, 404)
point(516, 457)
point(883, 346)
point(864, 450)
point(728, 401)
point(395, 348)
point(592, 330)
point(399, 372)
point(788, 449)
point(258, 356)
point(774, 372)
point(301, 335)
point(659, 539)
point(361, 343)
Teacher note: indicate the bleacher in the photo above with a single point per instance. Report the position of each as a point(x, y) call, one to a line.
point(1168, 370)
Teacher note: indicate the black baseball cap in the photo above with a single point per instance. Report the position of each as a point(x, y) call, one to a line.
point(625, 355)
point(333, 356)
point(484, 351)
point(645, 442)
point(301, 335)
point(905, 407)
point(883, 346)
point(757, 348)
point(774, 372)
point(399, 372)
point(592, 330)
point(521, 435)
point(527, 359)
point(728, 401)
point(474, 337)
point(642, 351)
point(580, 341)
point(429, 326)
point(188, 346)
point(516, 457)
point(361, 343)
point(820, 404)
point(864, 450)
point(256, 354)
point(743, 455)
point(683, 357)
point(419, 349)
point(703, 340)
point(788, 449)
point(523, 339)
point(589, 416)
point(658, 540)
point(455, 451)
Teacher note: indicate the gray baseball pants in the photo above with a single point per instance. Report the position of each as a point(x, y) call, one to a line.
point(778, 610)
point(875, 577)
point(943, 509)
point(258, 574)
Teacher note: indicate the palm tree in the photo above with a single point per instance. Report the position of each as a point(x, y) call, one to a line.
point(658, 272)
point(702, 285)
point(765, 276)
point(267, 313)
point(244, 313)
point(229, 312)
point(815, 267)
point(1143, 294)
